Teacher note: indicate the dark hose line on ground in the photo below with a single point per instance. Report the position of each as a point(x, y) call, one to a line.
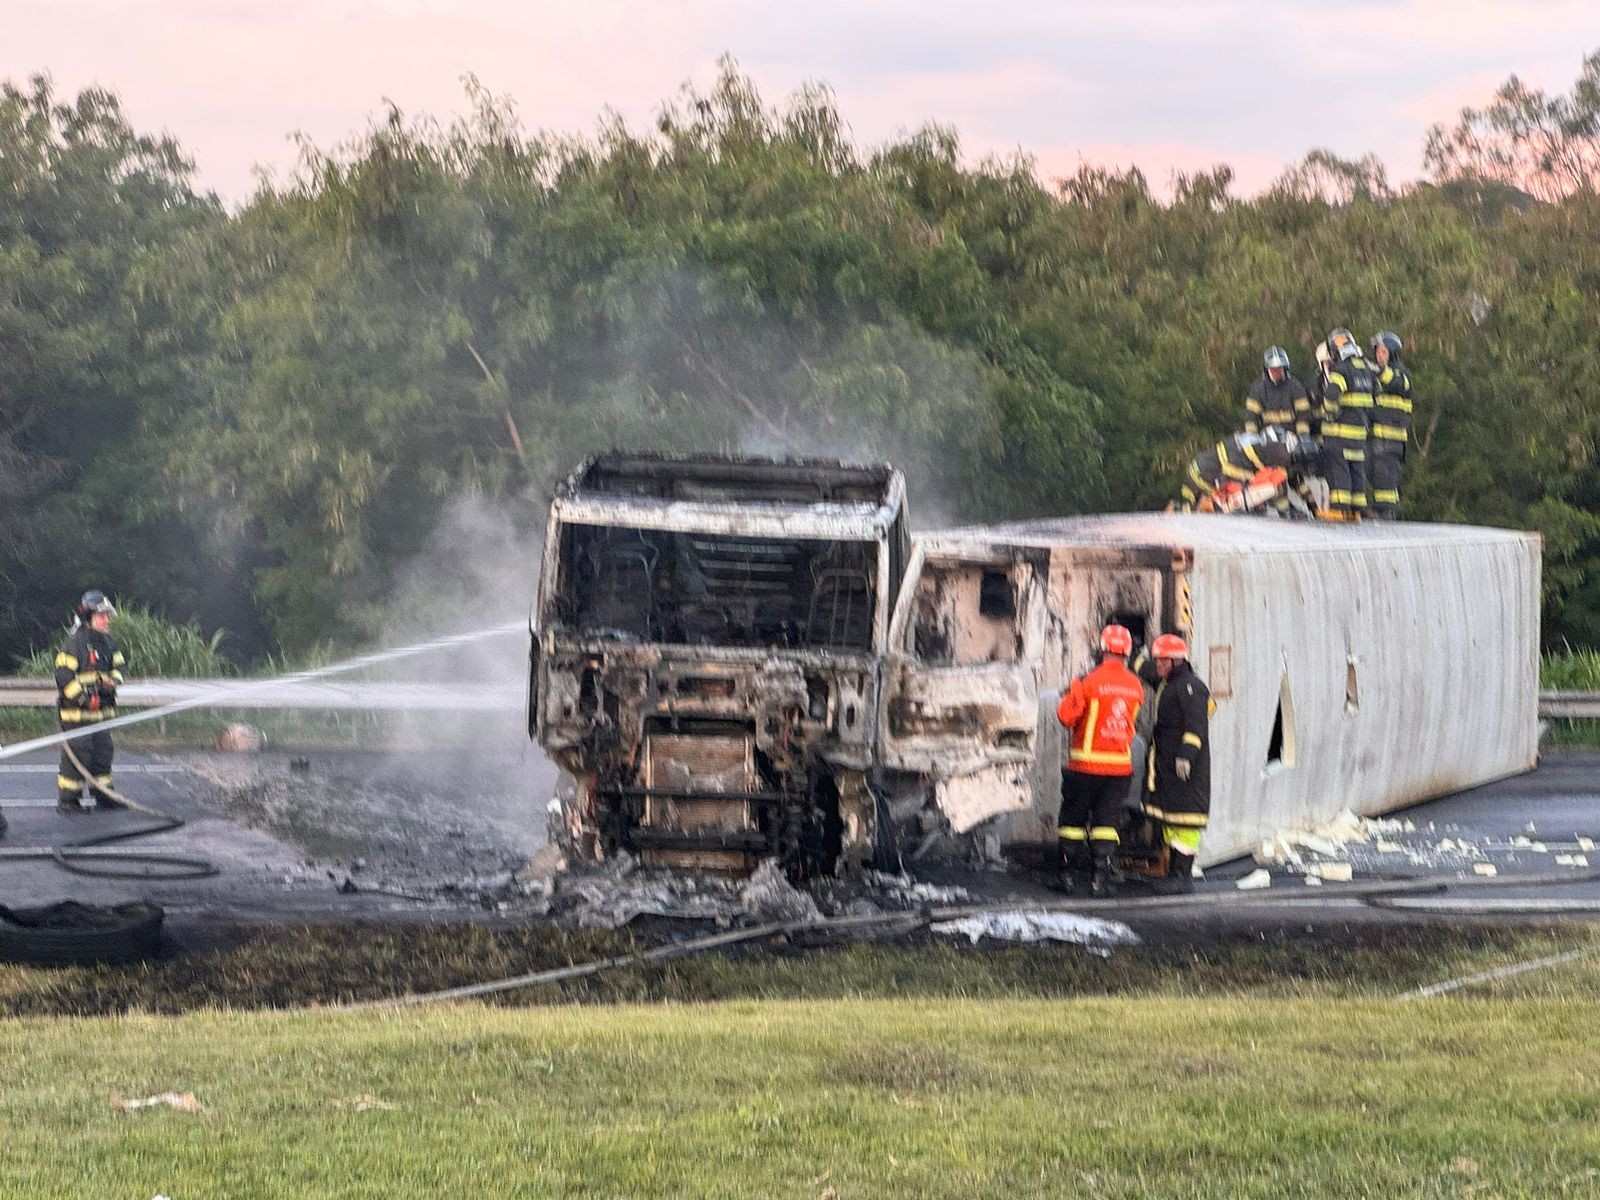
point(83, 857)
point(1364, 893)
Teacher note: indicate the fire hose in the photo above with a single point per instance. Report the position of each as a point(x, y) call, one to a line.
point(87, 856)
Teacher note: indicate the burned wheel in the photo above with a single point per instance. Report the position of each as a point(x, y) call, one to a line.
point(71, 933)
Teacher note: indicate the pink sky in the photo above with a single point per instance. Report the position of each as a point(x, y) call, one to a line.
point(1161, 84)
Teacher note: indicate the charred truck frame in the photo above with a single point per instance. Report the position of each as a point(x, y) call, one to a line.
point(707, 640)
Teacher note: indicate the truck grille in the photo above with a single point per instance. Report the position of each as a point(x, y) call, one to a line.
point(683, 762)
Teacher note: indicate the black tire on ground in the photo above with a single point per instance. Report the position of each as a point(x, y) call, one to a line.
point(70, 933)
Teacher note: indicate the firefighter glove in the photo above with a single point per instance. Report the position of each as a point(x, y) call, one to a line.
point(1181, 768)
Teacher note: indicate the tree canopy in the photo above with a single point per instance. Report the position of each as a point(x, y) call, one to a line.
point(255, 419)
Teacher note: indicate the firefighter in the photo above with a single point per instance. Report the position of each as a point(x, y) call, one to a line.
point(88, 673)
point(1391, 423)
point(1347, 401)
point(1277, 400)
point(1099, 711)
point(1178, 765)
point(1242, 459)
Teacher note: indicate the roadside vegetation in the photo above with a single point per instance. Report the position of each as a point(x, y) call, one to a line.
point(1153, 1096)
point(283, 399)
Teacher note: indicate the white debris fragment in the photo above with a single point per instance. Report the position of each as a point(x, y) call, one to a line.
point(182, 1101)
point(1571, 860)
point(1346, 827)
point(1448, 846)
point(1484, 868)
point(1313, 881)
point(1530, 827)
point(1386, 847)
point(906, 889)
point(1585, 844)
point(1277, 851)
point(1255, 881)
point(1334, 872)
point(1318, 844)
point(1014, 925)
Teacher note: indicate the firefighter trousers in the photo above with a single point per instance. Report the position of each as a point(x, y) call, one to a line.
point(1091, 808)
point(1384, 459)
point(1347, 474)
point(94, 751)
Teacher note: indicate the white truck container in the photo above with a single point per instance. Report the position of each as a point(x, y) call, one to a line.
point(1353, 667)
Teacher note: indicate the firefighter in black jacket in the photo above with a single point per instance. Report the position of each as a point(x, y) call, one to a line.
point(1347, 400)
point(1277, 400)
point(88, 673)
point(1391, 424)
point(1178, 770)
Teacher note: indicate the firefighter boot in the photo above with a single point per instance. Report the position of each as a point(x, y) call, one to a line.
point(1076, 878)
point(1107, 880)
point(1179, 879)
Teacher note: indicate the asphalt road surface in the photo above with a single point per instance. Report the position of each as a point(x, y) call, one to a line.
point(438, 835)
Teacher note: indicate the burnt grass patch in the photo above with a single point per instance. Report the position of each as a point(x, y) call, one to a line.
point(243, 967)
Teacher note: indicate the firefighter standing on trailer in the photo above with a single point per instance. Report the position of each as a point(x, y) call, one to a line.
point(1347, 401)
point(1277, 400)
point(88, 673)
point(1099, 712)
point(1391, 424)
point(1178, 772)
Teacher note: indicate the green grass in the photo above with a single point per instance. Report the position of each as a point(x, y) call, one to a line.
point(1571, 670)
point(1147, 1097)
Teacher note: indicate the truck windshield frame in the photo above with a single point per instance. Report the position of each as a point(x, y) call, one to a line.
point(634, 583)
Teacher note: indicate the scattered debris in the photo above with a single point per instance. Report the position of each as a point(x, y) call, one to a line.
point(1333, 872)
point(1255, 881)
point(240, 738)
point(1585, 844)
point(1571, 860)
point(1484, 868)
point(1013, 925)
point(907, 890)
point(767, 895)
point(367, 1102)
point(1313, 881)
point(182, 1101)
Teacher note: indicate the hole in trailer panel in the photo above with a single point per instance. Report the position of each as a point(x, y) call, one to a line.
point(1280, 744)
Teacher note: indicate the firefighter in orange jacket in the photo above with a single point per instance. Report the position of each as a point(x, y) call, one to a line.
point(1099, 712)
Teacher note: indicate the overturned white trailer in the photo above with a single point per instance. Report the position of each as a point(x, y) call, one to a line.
point(1365, 667)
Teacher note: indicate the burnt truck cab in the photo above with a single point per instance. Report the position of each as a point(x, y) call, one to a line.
point(706, 649)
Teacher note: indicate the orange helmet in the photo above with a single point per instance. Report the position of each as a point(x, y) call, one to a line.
point(1169, 645)
point(1115, 639)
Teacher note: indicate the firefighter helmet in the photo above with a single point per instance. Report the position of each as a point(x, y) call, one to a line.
point(1390, 341)
point(1115, 639)
point(1276, 356)
point(1342, 344)
point(1169, 645)
point(93, 601)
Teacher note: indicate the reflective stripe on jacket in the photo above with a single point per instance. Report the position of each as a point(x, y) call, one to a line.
point(87, 663)
point(1391, 413)
point(1282, 405)
point(1100, 711)
point(1182, 730)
